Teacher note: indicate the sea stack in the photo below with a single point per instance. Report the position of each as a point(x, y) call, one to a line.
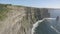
point(57, 18)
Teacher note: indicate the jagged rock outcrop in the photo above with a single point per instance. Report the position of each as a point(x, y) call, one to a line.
point(20, 19)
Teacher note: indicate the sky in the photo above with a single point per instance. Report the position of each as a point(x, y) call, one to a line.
point(34, 3)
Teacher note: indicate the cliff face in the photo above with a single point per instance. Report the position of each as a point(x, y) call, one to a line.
point(20, 19)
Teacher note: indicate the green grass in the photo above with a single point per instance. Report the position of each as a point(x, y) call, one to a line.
point(3, 12)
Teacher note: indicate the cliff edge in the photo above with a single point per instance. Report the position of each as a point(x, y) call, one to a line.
point(20, 19)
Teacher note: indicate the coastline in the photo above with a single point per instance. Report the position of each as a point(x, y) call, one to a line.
point(36, 24)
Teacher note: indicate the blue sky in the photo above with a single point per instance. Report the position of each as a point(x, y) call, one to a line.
point(34, 3)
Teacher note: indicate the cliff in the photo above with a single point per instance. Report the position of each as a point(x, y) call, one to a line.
point(19, 19)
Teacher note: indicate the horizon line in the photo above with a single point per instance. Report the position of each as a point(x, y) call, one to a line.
point(32, 6)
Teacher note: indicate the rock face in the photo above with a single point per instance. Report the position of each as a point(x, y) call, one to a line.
point(20, 19)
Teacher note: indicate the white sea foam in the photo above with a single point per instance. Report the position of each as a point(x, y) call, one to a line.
point(55, 29)
point(36, 24)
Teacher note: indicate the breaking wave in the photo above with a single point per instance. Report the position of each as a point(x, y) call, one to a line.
point(36, 24)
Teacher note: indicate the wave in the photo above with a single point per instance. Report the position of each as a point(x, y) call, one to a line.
point(55, 29)
point(36, 24)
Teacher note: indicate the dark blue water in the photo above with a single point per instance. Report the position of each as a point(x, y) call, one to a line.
point(44, 27)
point(54, 13)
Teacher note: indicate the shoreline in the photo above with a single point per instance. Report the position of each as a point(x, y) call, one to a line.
point(36, 24)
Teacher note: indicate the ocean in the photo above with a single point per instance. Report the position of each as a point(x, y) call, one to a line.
point(48, 26)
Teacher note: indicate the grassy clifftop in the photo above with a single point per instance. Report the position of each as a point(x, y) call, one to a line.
point(3, 11)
